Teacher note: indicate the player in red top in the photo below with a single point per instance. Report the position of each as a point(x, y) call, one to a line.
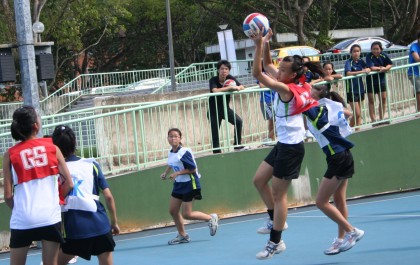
point(31, 171)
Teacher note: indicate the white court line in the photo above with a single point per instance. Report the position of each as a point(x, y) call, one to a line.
point(292, 215)
point(363, 216)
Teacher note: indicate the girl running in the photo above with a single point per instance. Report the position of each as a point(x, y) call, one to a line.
point(283, 163)
point(186, 188)
point(355, 88)
point(88, 231)
point(31, 171)
point(328, 124)
point(378, 61)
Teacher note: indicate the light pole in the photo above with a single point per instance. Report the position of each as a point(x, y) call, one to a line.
point(38, 27)
point(171, 45)
point(223, 27)
point(25, 42)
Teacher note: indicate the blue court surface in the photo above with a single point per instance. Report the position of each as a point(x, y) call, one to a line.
point(392, 236)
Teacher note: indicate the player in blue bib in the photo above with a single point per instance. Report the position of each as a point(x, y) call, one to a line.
point(328, 124)
point(88, 230)
point(186, 188)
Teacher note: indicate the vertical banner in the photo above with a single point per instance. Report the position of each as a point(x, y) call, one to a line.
point(227, 48)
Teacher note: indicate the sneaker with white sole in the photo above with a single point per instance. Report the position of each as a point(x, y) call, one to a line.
point(351, 238)
point(73, 260)
point(335, 247)
point(241, 148)
point(179, 240)
point(270, 249)
point(213, 224)
point(266, 229)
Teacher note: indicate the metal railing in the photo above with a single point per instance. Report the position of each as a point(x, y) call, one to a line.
point(99, 83)
point(134, 136)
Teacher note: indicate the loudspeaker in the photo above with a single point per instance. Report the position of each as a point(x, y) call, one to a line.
point(7, 67)
point(45, 66)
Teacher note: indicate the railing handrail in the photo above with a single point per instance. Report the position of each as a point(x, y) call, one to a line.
point(136, 106)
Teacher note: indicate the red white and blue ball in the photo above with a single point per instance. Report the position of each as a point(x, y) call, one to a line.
point(254, 23)
point(229, 82)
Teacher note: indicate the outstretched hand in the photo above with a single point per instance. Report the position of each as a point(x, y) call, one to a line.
point(259, 38)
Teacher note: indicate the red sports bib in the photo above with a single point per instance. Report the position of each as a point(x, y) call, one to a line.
point(34, 159)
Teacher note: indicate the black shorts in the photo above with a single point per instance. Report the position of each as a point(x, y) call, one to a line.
point(87, 247)
point(375, 87)
point(286, 160)
point(192, 195)
point(352, 98)
point(340, 165)
point(24, 237)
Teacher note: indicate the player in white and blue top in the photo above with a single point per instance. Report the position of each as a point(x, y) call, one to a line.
point(328, 124)
point(87, 228)
point(186, 188)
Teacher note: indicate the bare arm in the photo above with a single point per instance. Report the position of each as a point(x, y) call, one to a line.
point(337, 76)
point(280, 87)
point(363, 71)
point(182, 172)
point(225, 89)
point(110, 205)
point(165, 173)
point(416, 56)
point(269, 67)
point(64, 171)
point(8, 182)
point(347, 113)
point(314, 81)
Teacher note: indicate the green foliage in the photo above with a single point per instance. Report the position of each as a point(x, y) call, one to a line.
point(133, 34)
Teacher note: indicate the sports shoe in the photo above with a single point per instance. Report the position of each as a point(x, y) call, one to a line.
point(241, 148)
point(73, 260)
point(271, 249)
point(335, 247)
point(266, 229)
point(213, 224)
point(351, 238)
point(179, 239)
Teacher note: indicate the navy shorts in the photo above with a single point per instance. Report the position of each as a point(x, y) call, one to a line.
point(352, 98)
point(24, 237)
point(340, 165)
point(375, 87)
point(286, 160)
point(87, 247)
point(188, 197)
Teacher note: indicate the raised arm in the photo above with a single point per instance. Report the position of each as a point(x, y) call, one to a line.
point(279, 87)
point(269, 67)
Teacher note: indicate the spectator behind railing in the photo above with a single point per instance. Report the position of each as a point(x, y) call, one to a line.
point(216, 109)
point(413, 72)
point(330, 74)
point(378, 61)
point(355, 88)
